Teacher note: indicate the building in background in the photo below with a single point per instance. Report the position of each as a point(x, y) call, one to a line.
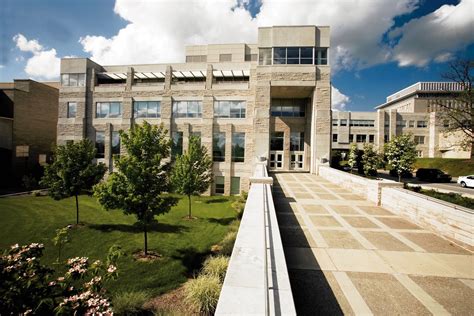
point(414, 110)
point(28, 121)
point(245, 101)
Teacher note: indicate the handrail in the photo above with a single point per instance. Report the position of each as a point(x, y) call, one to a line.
point(265, 248)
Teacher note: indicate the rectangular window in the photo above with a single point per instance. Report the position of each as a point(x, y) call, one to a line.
point(343, 123)
point(73, 80)
point(421, 124)
point(219, 185)
point(386, 123)
point(235, 185)
point(371, 138)
point(265, 56)
point(71, 109)
point(385, 138)
point(196, 59)
point(100, 144)
point(276, 140)
point(362, 123)
point(225, 57)
point(402, 123)
point(146, 109)
point(351, 138)
point(279, 55)
point(230, 109)
point(361, 138)
point(238, 147)
point(334, 138)
point(335, 122)
point(293, 55)
point(108, 110)
point(288, 107)
point(321, 56)
point(411, 123)
point(218, 147)
point(189, 109)
point(419, 140)
point(177, 144)
point(297, 141)
point(115, 144)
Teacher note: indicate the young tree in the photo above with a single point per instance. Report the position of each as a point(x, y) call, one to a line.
point(370, 160)
point(400, 153)
point(352, 158)
point(72, 171)
point(459, 117)
point(192, 172)
point(141, 177)
point(61, 238)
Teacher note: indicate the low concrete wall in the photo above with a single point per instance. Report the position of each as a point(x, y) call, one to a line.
point(257, 281)
point(368, 188)
point(449, 220)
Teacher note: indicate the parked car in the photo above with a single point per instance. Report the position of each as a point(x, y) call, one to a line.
point(432, 175)
point(466, 181)
point(405, 174)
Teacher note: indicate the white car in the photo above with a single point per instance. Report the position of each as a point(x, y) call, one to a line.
point(466, 181)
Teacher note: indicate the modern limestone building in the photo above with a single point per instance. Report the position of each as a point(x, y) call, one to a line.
point(414, 110)
point(28, 121)
point(246, 101)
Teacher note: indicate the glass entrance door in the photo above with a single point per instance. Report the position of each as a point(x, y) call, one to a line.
point(276, 160)
point(297, 160)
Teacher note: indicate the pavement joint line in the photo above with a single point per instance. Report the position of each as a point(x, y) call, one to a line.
point(395, 234)
point(429, 302)
point(355, 299)
point(468, 282)
point(315, 234)
point(361, 239)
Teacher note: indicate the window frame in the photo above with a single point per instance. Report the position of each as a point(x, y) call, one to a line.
point(176, 143)
point(137, 105)
point(297, 137)
point(69, 104)
point(219, 188)
point(220, 110)
point(101, 106)
point(218, 146)
point(238, 137)
point(100, 150)
point(179, 105)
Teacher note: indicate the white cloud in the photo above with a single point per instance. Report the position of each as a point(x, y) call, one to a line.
point(434, 36)
point(44, 64)
point(158, 31)
point(338, 99)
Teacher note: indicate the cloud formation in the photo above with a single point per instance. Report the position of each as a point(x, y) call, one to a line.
point(44, 64)
point(338, 100)
point(434, 36)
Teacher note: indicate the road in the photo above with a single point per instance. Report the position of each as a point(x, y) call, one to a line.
point(451, 187)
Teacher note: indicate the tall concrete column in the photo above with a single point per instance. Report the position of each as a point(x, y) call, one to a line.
point(108, 146)
point(321, 125)
point(228, 158)
point(380, 125)
point(261, 121)
point(393, 124)
point(433, 138)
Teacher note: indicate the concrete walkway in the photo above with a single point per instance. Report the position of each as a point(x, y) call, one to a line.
point(347, 256)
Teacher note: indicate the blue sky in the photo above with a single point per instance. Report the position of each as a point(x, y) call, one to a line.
point(378, 47)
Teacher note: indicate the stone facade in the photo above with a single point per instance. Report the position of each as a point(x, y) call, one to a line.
point(212, 73)
point(28, 122)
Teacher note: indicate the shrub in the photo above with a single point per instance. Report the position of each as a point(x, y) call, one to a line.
point(36, 193)
point(203, 293)
point(130, 303)
point(216, 266)
point(227, 243)
point(239, 204)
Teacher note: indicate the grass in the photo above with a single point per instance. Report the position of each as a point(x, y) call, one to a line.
point(455, 167)
point(184, 244)
point(454, 198)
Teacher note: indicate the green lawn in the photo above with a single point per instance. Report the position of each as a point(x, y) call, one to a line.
point(183, 243)
point(455, 167)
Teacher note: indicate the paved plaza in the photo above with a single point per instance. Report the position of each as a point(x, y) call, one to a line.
point(347, 256)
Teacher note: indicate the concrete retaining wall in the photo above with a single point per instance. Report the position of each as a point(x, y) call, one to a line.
point(449, 220)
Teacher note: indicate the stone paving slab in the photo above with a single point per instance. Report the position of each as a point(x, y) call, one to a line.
point(347, 256)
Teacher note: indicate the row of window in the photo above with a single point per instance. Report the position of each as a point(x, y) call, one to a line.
point(73, 80)
point(220, 185)
point(296, 141)
point(357, 123)
point(361, 138)
point(293, 56)
point(411, 124)
point(100, 144)
point(288, 107)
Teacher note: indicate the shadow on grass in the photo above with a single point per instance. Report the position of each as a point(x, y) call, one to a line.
point(221, 221)
point(138, 228)
point(216, 201)
point(191, 259)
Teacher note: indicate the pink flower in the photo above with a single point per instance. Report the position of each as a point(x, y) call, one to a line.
point(111, 269)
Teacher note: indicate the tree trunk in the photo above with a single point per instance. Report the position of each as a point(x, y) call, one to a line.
point(399, 177)
point(77, 211)
point(146, 238)
point(189, 206)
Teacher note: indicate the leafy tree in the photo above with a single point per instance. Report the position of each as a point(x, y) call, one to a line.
point(141, 177)
point(458, 117)
point(192, 172)
point(61, 238)
point(72, 171)
point(352, 158)
point(400, 153)
point(370, 160)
